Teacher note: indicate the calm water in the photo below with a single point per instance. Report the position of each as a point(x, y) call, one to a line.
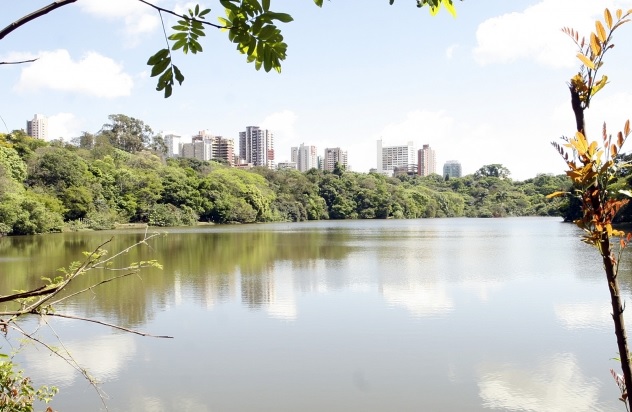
point(410, 315)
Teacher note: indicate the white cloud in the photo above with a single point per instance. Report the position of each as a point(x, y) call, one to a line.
point(418, 124)
point(283, 125)
point(449, 52)
point(139, 19)
point(64, 125)
point(536, 33)
point(94, 75)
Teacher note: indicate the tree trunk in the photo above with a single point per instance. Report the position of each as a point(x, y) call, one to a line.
point(617, 314)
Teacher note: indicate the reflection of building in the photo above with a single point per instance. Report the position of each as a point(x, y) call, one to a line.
point(257, 289)
point(38, 127)
point(334, 155)
point(452, 168)
point(256, 146)
point(390, 157)
point(426, 161)
point(305, 157)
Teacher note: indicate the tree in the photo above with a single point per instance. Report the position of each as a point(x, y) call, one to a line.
point(593, 169)
point(250, 24)
point(127, 133)
point(493, 170)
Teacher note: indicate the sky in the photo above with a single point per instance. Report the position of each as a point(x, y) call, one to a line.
point(489, 86)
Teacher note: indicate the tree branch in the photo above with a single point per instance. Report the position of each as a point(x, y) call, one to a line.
point(38, 13)
point(217, 26)
point(20, 62)
point(59, 315)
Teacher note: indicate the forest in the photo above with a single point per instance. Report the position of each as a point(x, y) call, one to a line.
point(121, 175)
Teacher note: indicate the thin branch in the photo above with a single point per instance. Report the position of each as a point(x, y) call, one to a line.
point(92, 287)
point(38, 13)
point(35, 292)
point(59, 315)
point(20, 62)
point(217, 26)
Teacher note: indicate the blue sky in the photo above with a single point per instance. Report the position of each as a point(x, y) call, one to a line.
point(486, 87)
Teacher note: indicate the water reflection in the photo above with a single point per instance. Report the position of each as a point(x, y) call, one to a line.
point(584, 315)
point(553, 384)
point(381, 315)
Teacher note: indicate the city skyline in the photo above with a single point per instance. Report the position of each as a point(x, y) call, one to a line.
point(467, 92)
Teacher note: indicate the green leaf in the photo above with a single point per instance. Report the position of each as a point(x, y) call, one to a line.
point(178, 74)
point(179, 44)
point(282, 17)
point(266, 5)
point(178, 36)
point(267, 32)
point(160, 67)
point(204, 13)
point(161, 54)
point(319, 3)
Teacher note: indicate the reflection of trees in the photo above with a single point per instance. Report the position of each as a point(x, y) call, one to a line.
point(207, 262)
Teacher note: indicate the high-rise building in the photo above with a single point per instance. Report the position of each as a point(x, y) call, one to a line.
point(452, 168)
point(334, 155)
point(286, 166)
point(197, 149)
point(426, 161)
point(305, 157)
point(224, 149)
point(172, 142)
point(38, 127)
point(256, 146)
point(391, 157)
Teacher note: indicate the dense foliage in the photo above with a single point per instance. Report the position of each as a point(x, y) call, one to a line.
point(121, 175)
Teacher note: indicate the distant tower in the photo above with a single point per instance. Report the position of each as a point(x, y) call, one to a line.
point(390, 158)
point(256, 146)
point(334, 155)
point(172, 141)
point(426, 161)
point(305, 157)
point(38, 127)
point(452, 168)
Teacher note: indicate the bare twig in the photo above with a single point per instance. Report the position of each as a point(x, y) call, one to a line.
point(111, 325)
point(32, 16)
point(19, 62)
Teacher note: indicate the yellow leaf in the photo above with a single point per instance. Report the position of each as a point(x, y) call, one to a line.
point(626, 128)
point(608, 18)
point(619, 13)
point(599, 85)
point(587, 62)
point(450, 7)
point(556, 194)
point(594, 45)
point(601, 32)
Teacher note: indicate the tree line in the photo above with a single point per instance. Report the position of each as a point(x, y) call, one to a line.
point(121, 175)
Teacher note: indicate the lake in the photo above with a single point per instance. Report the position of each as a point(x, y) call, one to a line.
point(375, 315)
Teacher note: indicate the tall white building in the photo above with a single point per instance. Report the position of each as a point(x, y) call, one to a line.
point(38, 127)
point(305, 157)
point(426, 161)
point(256, 146)
point(391, 157)
point(172, 142)
point(334, 155)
